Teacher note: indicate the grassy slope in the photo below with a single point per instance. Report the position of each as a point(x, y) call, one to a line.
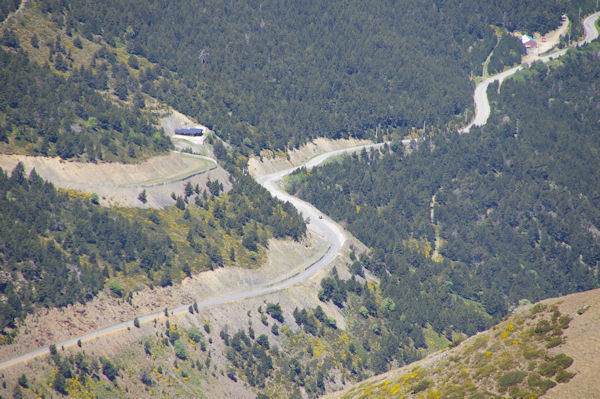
point(517, 348)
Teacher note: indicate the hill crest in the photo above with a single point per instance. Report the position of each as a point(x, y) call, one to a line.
point(518, 349)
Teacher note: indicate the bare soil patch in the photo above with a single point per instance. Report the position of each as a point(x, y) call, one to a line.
point(119, 184)
point(582, 344)
point(174, 119)
point(269, 162)
point(552, 40)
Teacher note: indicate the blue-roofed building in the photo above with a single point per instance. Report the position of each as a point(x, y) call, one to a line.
point(194, 131)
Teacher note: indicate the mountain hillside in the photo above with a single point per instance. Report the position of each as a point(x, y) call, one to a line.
point(504, 214)
point(280, 73)
point(213, 287)
point(548, 349)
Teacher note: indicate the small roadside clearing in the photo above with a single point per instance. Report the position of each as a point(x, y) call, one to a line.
point(552, 40)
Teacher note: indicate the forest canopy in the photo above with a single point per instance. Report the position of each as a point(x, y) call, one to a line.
point(512, 208)
point(278, 73)
point(68, 117)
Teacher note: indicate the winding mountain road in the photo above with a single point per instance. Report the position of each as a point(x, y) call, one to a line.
point(323, 226)
point(329, 229)
point(482, 106)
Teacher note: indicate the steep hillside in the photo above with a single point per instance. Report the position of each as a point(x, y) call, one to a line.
point(44, 113)
point(120, 184)
point(63, 247)
point(460, 229)
point(505, 213)
point(548, 349)
point(237, 349)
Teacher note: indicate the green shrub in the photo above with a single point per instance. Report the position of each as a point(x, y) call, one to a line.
point(546, 384)
point(511, 378)
point(195, 334)
point(146, 378)
point(115, 289)
point(363, 312)
point(533, 380)
point(180, 350)
point(109, 369)
point(582, 310)
point(485, 371)
point(542, 327)
point(23, 381)
point(173, 336)
point(538, 308)
point(274, 309)
point(554, 342)
point(562, 361)
point(531, 353)
point(331, 322)
point(60, 384)
point(543, 384)
point(517, 392)
point(421, 386)
point(548, 369)
point(564, 321)
point(564, 376)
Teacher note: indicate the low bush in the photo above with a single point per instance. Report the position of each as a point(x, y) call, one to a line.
point(548, 369)
point(180, 350)
point(511, 378)
point(563, 361)
point(564, 376)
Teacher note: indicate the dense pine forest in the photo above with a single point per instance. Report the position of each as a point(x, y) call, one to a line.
point(6, 7)
point(67, 117)
point(62, 247)
point(508, 52)
point(279, 73)
point(513, 206)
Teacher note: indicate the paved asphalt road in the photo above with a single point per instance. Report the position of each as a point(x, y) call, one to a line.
point(325, 227)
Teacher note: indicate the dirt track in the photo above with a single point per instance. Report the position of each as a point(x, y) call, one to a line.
point(286, 258)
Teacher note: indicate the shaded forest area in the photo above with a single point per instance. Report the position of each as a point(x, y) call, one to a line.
point(390, 321)
point(8, 6)
point(279, 73)
point(508, 52)
point(42, 113)
point(515, 203)
point(61, 248)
